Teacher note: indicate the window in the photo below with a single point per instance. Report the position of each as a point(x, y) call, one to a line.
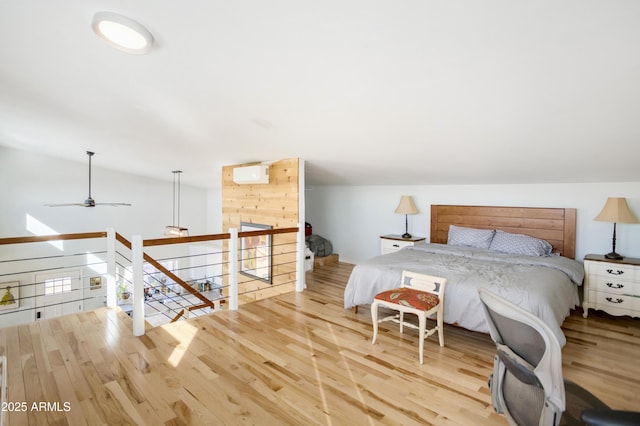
point(57, 286)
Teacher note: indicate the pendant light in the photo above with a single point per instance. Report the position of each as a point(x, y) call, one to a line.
point(176, 230)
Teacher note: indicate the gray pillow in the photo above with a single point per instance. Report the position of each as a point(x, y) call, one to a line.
point(469, 237)
point(506, 242)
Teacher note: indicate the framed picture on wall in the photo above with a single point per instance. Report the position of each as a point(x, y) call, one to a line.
point(95, 283)
point(255, 252)
point(9, 295)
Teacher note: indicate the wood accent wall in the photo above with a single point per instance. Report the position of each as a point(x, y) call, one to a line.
point(275, 204)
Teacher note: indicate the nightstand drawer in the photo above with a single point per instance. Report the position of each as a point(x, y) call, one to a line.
point(619, 271)
point(394, 245)
point(614, 285)
point(617, 302)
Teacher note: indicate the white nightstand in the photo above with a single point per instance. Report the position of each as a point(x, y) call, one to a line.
point(612, 285)
point(391, 243)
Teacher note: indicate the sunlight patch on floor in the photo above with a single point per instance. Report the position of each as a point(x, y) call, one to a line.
point(350, 373)
point(325, 407)
point(184, 334)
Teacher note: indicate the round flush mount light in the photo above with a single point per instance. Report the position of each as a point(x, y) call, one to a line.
point(122, 33)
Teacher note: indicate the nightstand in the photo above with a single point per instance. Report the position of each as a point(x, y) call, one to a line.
point(611, 285)
point(391, 243)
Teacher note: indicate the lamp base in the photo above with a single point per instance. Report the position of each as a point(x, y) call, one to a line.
point(613, 255)
point(406, 235)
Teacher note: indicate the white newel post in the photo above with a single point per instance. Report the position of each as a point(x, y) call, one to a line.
point(112, 298)
point(137, 258)
point(233, 269)
point(300, 269)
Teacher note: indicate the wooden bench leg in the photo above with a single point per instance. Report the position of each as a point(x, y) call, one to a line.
point(354, 309)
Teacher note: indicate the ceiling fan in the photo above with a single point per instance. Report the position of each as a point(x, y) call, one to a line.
point(89, 202)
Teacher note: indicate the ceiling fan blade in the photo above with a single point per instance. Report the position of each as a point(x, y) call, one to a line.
point(113, 204)
point(87, 205)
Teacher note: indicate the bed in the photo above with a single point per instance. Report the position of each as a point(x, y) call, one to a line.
point(546, 285)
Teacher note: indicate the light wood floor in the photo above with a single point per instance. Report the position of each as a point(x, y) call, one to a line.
point(298, 358)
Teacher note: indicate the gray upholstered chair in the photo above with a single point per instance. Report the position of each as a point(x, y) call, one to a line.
point(527, 385)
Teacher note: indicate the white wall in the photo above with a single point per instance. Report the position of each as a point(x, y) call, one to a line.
point(353, 218)
point(214, 211)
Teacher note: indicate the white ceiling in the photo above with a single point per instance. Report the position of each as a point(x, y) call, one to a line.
point(366, 92)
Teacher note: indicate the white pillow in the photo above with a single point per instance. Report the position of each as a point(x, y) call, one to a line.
point(506, 242)
point(469, 237)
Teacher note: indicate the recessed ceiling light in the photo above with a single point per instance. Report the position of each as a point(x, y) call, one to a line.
point(122, 33)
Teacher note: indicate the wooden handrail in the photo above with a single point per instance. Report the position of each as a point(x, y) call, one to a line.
point(44, 238)
point(213, 237)
point(196, 307)
point(177, 317)
point(266, 232)
point(145, 243)
point(123, 241)
point(180, 240)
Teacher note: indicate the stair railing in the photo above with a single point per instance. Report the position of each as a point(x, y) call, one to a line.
point(117, 260)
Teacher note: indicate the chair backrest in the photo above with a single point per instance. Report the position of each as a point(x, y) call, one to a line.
point(527, 382)
point(428, 283)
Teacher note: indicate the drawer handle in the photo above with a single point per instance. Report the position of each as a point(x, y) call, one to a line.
point(616, 285)
point(396, 245)
point(618, 300)
point(616, 272)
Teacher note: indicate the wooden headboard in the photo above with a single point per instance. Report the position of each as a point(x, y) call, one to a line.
point(556, 225)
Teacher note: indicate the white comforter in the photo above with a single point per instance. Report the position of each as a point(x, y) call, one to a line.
point(544, 286)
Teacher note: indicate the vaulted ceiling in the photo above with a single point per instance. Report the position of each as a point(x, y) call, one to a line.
point(382, 92)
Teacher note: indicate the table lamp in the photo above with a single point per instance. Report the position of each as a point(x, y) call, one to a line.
point(406, 207)
point(615, 210)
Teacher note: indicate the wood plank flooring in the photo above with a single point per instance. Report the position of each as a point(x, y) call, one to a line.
point(299, 359)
